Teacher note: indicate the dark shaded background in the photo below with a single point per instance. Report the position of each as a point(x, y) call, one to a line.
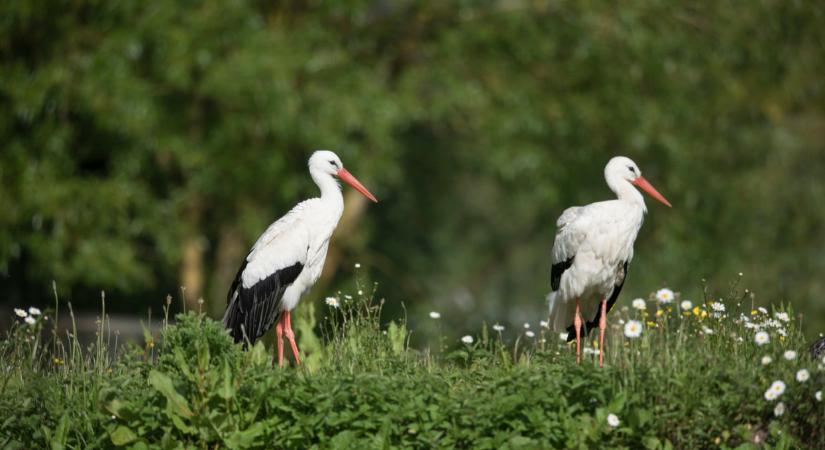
point(145, 145)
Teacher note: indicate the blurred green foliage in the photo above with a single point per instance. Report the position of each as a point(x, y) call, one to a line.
point(131, 128)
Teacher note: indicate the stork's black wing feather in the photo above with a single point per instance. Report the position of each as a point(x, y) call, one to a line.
point(252, 311)
point(818, 348)
point(586, 327)
point(556, 272)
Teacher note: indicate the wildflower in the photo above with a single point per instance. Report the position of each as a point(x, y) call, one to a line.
point(30, 320)
point(783, 316)
point(766, 360)
point(563, 335)
point(707, 330)
point(332, 301)
point(777, 388)
point(717, 306)
point(664, 295)
point(357, 265)
point(435, 315)
point(639, 304)
point(20, 312)
point(348, 297)
point(686, 305)
point(591, 351)
point(751, 326)
point(633, 329)
point(498, 328)
point(526, 325)
point(790, 355)
point(762, 310)
point(761, 338)
point(704, 314)
point(467, 339)
point(779, 409)
point(34, 311)
point(818, 396)
point(803, 375)
point(529, 334)
point(781, 332)
point(544, 324)
point(360, 292)
point(613, 420)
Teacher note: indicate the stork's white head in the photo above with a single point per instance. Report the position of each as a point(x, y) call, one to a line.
point(326, 164)
point(620, 169)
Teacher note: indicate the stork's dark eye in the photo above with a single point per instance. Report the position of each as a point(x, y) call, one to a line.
point(632, 169)
point(334, 164)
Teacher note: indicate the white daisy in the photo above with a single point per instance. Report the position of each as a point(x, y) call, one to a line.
point(707, 330)
point(20, 312)
point(526, 325)
point(357, 265)
point(467, 339)
point(781, 332)
point(766, 360)
point(332, 301)
point(563, 335)
point(639, 304)
point(790, 355)
point(718, 307)
point(30, 320)
point(360, 292)
point(633, 329)
point(761, 338)
point(664, 295)
point(818, 396)
point(435, 315)
point(544, 324)
point(779, 409)
point(686, 305)
point(762, 310)
point(613, 420)
point(777, 388)
point(498, 328)
point(529, 334)
point(802, 375)
point(783, 316)
point(34, 311)
point(770, 395)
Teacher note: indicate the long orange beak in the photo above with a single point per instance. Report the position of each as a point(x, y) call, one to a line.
point(647, 187)
point(352, 181)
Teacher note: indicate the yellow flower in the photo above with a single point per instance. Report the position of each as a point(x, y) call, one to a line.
point(696, 310)
point(704, 313)
point(651, 324)
point(753, 312)
point(659, 313)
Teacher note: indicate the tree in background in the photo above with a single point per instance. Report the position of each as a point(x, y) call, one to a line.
point(145, 146)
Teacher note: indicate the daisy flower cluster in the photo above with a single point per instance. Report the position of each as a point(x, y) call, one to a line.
point(29, 316)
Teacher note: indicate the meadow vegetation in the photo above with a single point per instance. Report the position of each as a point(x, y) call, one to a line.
point(711, 372)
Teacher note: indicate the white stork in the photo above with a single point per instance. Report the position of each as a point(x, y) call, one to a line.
point(593, 246)
point(288, 258)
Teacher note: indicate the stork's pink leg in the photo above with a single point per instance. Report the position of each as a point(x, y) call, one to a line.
point(279, 339)
point(602, 327)
point(290, 336)
point(577, 324)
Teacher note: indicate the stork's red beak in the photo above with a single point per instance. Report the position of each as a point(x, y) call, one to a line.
point(647, 187)
point(352, 181)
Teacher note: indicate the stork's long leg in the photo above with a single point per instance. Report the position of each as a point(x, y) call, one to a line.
point(602, 327)
point(279, 339)
point(290, 336)
point(577, 324)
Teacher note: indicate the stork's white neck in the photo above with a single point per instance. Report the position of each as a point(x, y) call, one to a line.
point(625, 190)
point(330, 189)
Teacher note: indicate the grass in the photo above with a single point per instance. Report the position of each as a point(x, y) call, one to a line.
point(693, 379)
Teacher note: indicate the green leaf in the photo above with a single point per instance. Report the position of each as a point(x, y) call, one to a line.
point(227, 389)
point(176, 403)
point(122, 435)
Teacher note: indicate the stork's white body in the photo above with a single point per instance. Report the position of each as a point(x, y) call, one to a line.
point(301, 236)
point(288, 258)
point(594, 246)
point(599, 237)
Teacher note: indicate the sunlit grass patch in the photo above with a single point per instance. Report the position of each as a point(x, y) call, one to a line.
point(692, 375)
